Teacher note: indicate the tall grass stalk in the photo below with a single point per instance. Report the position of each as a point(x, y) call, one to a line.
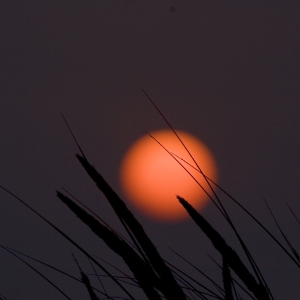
point(155, 276)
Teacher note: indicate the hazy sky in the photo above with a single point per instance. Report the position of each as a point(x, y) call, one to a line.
point(225, 71)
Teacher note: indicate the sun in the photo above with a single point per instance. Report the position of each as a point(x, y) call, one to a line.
point(151, 178)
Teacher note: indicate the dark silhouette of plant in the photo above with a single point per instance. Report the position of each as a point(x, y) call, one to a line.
point(158, 278)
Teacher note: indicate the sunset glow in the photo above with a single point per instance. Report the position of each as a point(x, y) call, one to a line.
point(151, 178)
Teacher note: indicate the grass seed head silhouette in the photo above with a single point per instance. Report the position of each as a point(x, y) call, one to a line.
point(156, 277)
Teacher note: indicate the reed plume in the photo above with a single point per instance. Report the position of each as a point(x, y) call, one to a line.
point(143, 273)
point(227, 252)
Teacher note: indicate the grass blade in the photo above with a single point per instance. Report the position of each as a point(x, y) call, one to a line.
point(68, 238)
point(35, 270)
point(282, 233)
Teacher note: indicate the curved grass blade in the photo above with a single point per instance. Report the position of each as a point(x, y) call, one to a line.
point(35, 270)
point(220, 289)
point(293, 213)
point(69, 239)
point(282, 233)
point(73, 136)
point(53, 268)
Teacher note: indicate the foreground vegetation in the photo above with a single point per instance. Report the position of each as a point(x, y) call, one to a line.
point(150, 273)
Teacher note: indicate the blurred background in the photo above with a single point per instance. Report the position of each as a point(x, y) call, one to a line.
point(225, 71)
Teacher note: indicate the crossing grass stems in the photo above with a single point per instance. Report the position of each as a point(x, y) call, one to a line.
point(156, 277)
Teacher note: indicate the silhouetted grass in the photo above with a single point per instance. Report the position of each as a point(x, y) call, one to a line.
point(228, 254)
point(156, 277)
point(151, 273)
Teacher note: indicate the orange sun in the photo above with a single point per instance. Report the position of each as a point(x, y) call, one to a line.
point(150, 177)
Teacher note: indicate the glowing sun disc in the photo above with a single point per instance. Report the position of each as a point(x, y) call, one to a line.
point(150, 178)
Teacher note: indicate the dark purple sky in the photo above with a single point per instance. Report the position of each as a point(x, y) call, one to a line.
point(225, 71)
